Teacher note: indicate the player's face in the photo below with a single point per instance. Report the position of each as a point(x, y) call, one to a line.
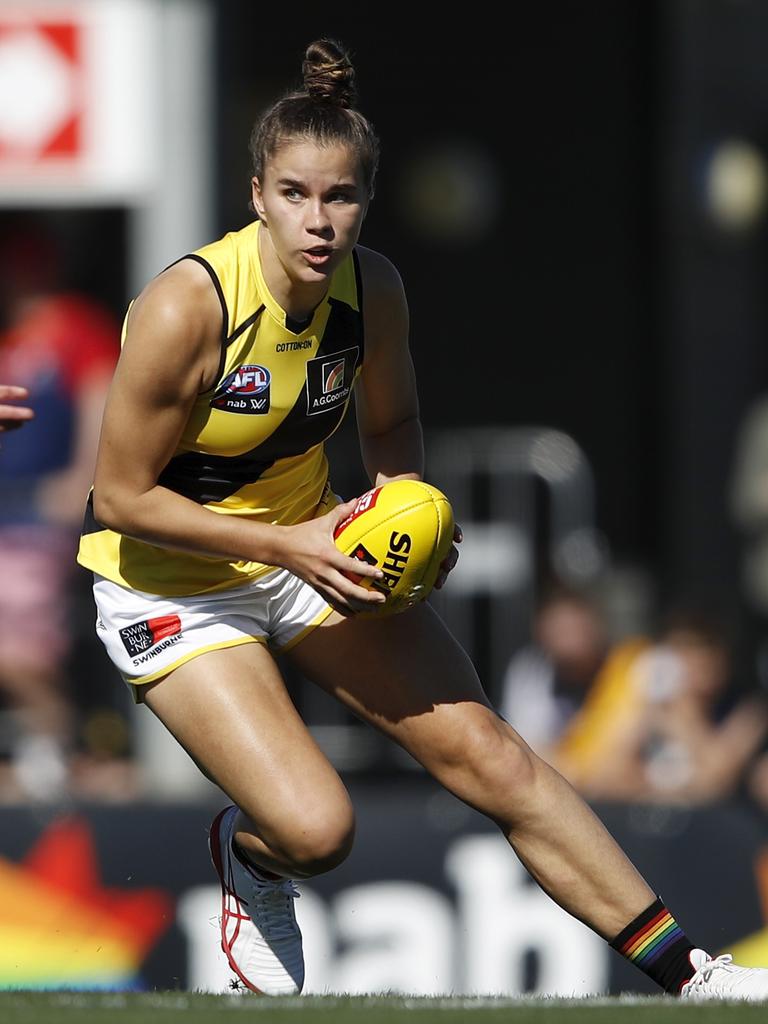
point(312, 200)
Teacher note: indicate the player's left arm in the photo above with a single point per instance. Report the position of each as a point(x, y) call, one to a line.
point(386, 399)
point(386, 396)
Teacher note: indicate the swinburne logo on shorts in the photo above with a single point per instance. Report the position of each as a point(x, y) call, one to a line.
point(329, 380)
point(159, 633)
point(245, 390)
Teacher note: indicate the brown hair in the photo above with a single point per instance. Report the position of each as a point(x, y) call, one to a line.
point(322, 112)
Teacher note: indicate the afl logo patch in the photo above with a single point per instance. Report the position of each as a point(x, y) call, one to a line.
point(245, 390)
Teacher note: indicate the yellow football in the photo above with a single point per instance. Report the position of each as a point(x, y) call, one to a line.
point(405, 527)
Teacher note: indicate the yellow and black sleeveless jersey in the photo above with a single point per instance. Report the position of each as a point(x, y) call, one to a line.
point(254, 444)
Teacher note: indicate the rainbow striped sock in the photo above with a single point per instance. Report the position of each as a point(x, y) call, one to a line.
point(656, 944)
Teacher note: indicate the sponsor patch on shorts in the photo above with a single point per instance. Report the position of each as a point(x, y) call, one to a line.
point(142, 636)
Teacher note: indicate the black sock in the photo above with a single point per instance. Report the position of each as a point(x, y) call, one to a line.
point(657, 945)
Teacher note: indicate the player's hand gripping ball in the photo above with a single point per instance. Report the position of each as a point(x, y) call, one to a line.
point(405, 527)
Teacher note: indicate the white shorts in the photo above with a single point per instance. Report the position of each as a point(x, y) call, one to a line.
point(147, 636)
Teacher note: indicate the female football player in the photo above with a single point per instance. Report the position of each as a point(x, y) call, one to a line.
point(210, 535)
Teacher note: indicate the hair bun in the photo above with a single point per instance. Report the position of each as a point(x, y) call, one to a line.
point(328, 73)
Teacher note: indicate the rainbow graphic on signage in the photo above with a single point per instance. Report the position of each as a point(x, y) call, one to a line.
point(61, 928)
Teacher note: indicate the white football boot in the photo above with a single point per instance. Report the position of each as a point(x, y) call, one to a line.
point(719, 978)
point(259, 933)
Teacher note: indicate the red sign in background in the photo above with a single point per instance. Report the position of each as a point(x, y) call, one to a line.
point(41, 90)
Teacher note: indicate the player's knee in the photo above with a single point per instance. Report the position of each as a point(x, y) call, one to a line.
point(488, 757)
point(513, 765)
point(321, 841)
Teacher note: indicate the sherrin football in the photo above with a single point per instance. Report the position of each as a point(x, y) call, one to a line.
point(405, 527)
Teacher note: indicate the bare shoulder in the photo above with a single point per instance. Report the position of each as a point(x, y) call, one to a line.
point(380, 275)
point(385, 307)
point(183, 290)
point(178, 314)
point(385, 310)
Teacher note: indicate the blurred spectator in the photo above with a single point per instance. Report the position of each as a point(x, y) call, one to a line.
point(748, 502)
point(679, 731)
point(546, 681)
point(62, 347)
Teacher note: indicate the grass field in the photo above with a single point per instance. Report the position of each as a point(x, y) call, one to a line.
point(190, 1008)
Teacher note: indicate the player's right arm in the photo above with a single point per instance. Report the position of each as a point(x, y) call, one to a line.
point(170, 354)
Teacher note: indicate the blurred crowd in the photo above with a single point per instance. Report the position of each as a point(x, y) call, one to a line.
point(657, 717)
point(57, 739)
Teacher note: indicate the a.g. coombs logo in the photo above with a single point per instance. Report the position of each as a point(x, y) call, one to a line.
point(329, 380)
point(333, 375)
point(245, 390)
